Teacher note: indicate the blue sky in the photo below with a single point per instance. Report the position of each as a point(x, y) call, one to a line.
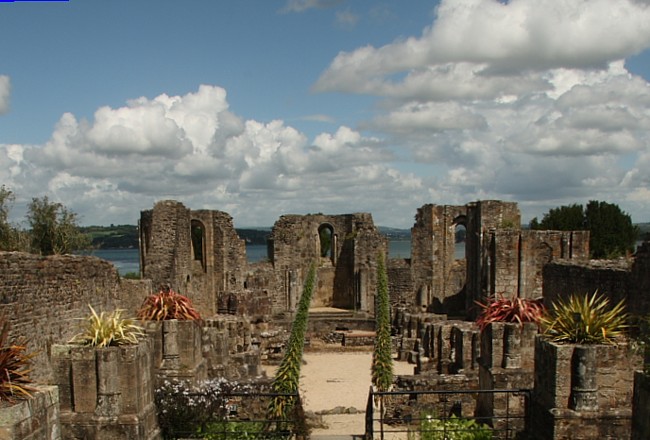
point(263, 108)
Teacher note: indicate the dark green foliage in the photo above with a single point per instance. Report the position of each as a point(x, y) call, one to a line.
point(112, 237)
point(382, 358)
point(288, 374)
point(453, 428)
point(563, 218)
point(132, 276)
point(612, 233)
point(11, 238)
point(585, 319)
point(54, 228)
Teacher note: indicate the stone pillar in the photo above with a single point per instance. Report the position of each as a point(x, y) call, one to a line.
point(511, 346)
point(108, 382)
point(171, 354)
point(584, 390)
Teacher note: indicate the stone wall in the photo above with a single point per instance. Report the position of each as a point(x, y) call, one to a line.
point(33, 419)
point(198, 253)
point(347, 272)
point(44, 297)
point(610, 278)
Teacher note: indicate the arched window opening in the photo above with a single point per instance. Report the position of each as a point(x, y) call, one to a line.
point(460, 237)
point(198, 241)
point(326, 238)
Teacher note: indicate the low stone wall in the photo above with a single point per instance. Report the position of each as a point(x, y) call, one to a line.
point(35, 418)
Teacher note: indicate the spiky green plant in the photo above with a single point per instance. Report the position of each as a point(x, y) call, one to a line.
point(15, 382)
point(104, 330)
point(585, 319)
point(288, 374)
point(382, 358)
point(167, 304)
point(515, 309)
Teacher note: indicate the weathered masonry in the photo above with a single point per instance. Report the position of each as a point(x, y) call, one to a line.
point(200, 254)
point(500, 257)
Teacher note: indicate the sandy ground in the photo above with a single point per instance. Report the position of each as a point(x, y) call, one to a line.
point(330, 380)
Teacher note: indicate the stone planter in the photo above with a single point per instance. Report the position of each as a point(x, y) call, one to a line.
point(582, 391)
point(177, 353)
point(106, 393)
point(641, 407)
point(506, 362)
point(33, 418)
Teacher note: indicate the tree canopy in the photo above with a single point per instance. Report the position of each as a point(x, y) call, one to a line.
point(612, 233)
point(54, 228)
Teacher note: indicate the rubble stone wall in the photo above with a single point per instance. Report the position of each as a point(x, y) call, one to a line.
point(44, 297)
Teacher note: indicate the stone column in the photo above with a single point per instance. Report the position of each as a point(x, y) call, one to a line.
point(584, 390)
point(171, 353)
point(108, 382)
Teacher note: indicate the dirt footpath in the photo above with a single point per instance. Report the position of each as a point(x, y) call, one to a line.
point(330, 380)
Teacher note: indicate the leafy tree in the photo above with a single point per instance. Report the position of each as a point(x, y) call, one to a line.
point(54, 228)
point(612, 233)
point(563, 218)
point(11, 238)
point(6, 199)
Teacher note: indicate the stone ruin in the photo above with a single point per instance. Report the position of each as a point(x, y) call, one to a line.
point(249, 307)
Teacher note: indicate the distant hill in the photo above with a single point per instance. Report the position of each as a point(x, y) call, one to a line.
point(112, 237)
point(126, 236)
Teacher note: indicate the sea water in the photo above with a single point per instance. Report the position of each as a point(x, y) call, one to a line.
point(128, 260)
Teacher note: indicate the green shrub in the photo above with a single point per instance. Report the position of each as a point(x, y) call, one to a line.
point(515, 309)
point(131, 276)
point(190, 411)
point(105, 330)
point(15, 382)
point(167, 304)
point(453, 428)
point(585, 319)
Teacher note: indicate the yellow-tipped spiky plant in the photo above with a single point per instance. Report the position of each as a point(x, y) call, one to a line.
point(585, 319)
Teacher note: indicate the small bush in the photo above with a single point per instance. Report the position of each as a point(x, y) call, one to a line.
point(515, 309)
point(131, 276)
point(453, 428)
point(167, 304)
point(106, 330)
point(186, 411)
point(15, 382)
point(585, 319)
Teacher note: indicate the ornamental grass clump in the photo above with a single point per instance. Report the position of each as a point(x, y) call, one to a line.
point(515, 309)
point(108, 329)
point(167, 304)
point(15, 382)
point(585, 319)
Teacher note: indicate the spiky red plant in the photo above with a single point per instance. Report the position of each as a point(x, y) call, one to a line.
point(167, 304)
point(14, 366)
point(515, 309)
